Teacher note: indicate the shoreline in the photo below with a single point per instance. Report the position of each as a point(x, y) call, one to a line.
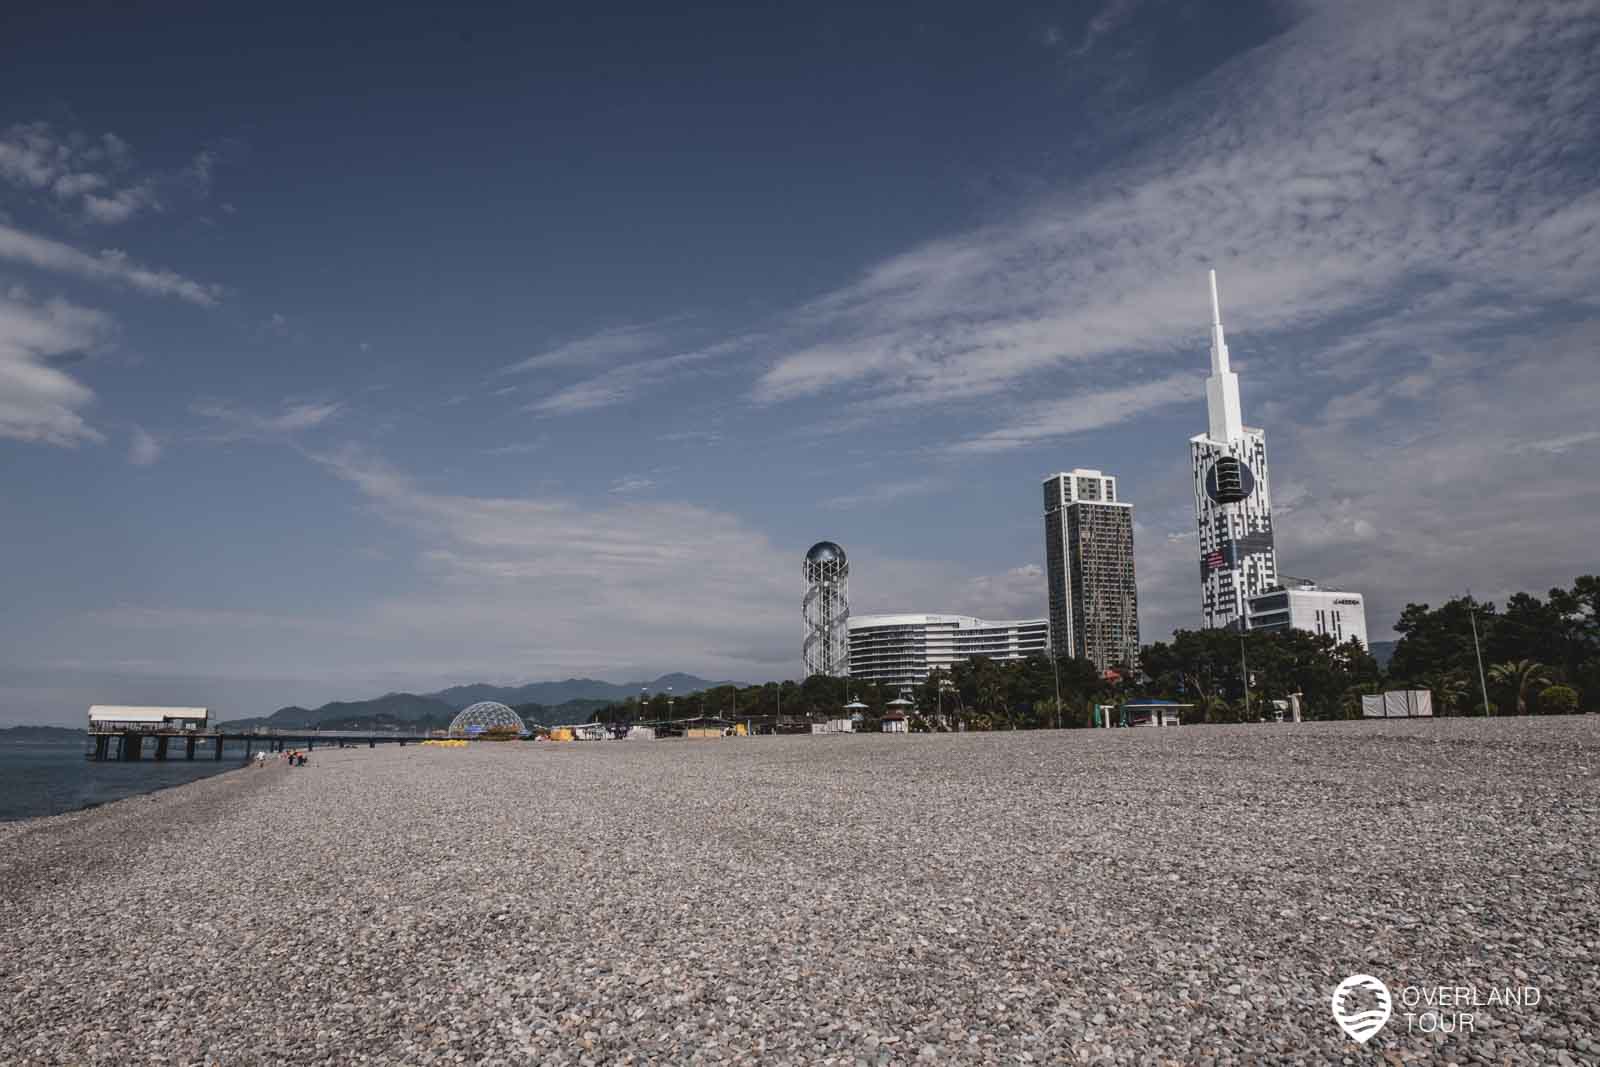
point(43, 848)
point(159, 787)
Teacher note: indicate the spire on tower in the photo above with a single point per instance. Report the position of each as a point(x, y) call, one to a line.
point(1222, 388)
point(1219, 347)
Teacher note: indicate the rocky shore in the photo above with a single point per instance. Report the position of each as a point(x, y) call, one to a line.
point(1149, 897)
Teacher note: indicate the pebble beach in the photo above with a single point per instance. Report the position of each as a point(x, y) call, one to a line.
point(1131, 896)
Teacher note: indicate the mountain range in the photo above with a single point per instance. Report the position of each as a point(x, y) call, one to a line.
point(549, 703)
point(554, 694)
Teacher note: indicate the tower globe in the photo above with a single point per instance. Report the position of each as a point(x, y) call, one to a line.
point(487, 716)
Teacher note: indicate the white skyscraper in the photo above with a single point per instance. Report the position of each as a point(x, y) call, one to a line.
point(1232, 495)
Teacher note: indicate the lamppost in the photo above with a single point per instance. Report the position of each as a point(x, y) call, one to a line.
point(1483, 686)
point(1056, 671)
point(669, 703)
point(1244, 676)
point(643, 691)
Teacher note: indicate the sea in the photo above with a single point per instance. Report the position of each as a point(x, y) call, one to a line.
point(52, 776)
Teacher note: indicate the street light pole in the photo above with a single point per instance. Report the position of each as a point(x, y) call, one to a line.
point(1244, 669)
point(1056, 671)
point(1483, 685)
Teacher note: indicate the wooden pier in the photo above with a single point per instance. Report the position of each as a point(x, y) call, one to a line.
point(130, 743)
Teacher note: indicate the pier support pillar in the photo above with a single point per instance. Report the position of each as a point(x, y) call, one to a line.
point(132, 746)
point(161, 747)
point(189, 748)
point(101, 744)
point(218, 753)
point(247, 743)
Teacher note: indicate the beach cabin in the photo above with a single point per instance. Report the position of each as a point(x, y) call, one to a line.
point(120, 718)
point(894, 719)
point(1153, 713)
point(706, 726)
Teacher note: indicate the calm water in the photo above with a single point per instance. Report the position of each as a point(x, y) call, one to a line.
point(47, 778)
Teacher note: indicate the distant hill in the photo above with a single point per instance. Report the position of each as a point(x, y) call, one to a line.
point(562, 714)
point(40, 733)
point(555, 694)
point(390, 709)
point(407, 711)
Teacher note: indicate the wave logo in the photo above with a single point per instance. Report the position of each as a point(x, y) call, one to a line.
point(1361, 1006)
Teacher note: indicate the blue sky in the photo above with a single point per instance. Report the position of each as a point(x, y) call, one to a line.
point(351, 351)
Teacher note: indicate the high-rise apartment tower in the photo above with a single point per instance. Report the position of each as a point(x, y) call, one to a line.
point(1088, 555)
point(1232, 496)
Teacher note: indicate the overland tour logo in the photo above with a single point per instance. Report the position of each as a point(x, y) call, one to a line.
point(1361, 1005)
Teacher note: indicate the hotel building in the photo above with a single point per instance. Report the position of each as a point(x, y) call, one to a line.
point(1298, 604)
point(900, 651)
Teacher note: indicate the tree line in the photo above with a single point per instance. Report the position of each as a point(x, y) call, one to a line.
point(1539, 656)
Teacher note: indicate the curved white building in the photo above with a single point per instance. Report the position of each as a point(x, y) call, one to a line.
point(901, 650)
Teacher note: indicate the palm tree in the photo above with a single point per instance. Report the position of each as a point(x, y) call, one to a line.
point(1350, 700)
point(1520, 676)
point(992, 699)
point(1214, 708)
point(1449, 689)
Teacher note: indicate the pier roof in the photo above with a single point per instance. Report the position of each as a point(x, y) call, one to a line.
point(127, 713)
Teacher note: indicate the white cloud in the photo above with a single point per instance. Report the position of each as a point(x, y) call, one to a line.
point(119, 206)
point(604, 346)
point(144, 449)
point(582, 586)
point(295, 417)
point(1081, 412)
point(1325, 175)
point(1559, 444)
point(519, 448)
point(548, 586)
point(621, 384)
point(633, 483)
point(111, 265)
point(76, 169)
point(1108, 19)
point(40, 402)
point(885, 493)
point(1016, 593)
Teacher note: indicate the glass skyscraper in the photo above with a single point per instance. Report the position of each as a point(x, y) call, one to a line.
point(1088, 553)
